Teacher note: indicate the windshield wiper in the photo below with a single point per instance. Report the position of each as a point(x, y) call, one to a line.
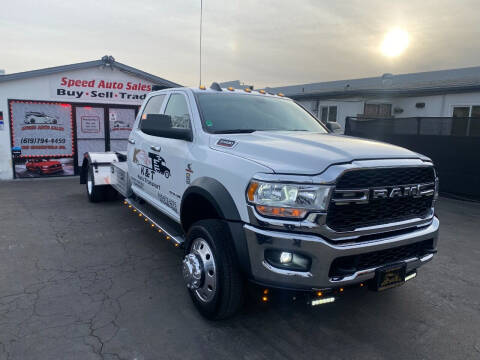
point(234, 131)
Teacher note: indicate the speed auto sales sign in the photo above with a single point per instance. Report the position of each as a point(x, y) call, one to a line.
point(42, 128)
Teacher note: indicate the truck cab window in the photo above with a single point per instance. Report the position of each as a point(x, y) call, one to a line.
point(178, 110)
point(154, 105)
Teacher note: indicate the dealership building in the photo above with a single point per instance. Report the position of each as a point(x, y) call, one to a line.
point(50, 117)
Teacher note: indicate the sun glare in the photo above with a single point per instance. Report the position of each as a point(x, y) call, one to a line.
point(395, 42)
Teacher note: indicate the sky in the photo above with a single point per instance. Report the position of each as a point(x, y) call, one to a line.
point(264, 43)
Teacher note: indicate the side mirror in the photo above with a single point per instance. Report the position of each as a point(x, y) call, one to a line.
point(161, 125)
point(333, 126)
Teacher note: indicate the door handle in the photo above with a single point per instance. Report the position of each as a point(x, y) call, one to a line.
point(131, 141)
point(155, 148)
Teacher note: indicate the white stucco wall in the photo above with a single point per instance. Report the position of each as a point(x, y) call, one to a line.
point(44, 89)
point(345, 107)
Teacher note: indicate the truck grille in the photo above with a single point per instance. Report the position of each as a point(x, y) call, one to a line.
point(348, 217)
point(348, 265)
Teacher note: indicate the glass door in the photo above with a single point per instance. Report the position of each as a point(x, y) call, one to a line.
point(90, 130)
point(120, 124)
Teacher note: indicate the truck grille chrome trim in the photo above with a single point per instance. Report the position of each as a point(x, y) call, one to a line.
point(387, 199)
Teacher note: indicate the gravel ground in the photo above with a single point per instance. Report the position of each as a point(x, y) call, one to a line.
point(90, 281)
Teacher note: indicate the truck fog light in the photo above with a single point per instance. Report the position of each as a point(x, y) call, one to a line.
point(287, 260)
point(286, 257)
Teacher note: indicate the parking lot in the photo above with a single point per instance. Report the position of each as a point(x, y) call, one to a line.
point(91, 281)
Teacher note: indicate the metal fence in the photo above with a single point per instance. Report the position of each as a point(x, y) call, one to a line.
point(452, 143)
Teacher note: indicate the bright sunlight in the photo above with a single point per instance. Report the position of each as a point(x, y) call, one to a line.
point(395, 42)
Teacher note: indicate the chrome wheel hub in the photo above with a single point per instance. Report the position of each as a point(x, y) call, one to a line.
point(199, 270)
point(192, 271)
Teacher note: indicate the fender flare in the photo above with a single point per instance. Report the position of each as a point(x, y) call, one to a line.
point(216, 194)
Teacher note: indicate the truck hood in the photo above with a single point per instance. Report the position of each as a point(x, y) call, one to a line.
point(306, 153)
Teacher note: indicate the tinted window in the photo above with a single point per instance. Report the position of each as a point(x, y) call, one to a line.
point(224, 112)
point(177, 108)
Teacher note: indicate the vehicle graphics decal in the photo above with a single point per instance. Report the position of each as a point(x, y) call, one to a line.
point(172, 204)
point(150, 164)
point(188, 172)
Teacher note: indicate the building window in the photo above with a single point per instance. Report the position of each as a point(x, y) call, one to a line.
point(328, 113)
point(377, 110)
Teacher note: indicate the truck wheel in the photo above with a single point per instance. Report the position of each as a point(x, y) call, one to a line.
point(211, 272)
point(95, 193)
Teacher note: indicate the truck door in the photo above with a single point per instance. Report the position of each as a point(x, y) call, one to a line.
point(171, 158)
point(140, 166)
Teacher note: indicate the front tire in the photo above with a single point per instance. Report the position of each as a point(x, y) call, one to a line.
point(211, 270)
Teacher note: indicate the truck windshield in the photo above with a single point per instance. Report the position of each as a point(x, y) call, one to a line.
point(232, 113)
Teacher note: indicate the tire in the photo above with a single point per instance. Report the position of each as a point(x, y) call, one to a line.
point(94, 193)
point(219, 294)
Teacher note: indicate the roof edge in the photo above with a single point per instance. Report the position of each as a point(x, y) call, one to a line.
point(383, 92)
point(106, 61)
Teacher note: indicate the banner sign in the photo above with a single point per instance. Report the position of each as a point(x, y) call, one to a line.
point(42, 129)
point(101, 90)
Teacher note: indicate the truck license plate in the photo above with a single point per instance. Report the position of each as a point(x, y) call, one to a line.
point(390, 276)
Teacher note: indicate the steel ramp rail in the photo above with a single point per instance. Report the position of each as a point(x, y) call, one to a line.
point(163, 224)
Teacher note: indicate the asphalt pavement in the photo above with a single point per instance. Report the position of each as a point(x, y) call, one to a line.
point(92, 281)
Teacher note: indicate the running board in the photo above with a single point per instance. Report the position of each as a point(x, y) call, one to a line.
point(163, 224)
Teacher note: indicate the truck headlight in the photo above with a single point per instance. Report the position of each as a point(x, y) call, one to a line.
point(287, 200)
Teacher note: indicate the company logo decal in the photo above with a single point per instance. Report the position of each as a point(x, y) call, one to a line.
point(188, 172)
point(150, 164)
point(226, 143)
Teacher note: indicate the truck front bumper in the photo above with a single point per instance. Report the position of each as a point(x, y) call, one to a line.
point(323, 253)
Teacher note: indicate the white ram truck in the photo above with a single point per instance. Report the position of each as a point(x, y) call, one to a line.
point(254, 188)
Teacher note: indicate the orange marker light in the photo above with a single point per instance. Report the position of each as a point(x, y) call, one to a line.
point(319, 293)
point(146, 220)
point(341, 289)
point(159, 230)
point(153, 225)
point(202, 87)
point(248, 90)
point(251, 191)
point(280, 94)
point(230, 88)
point(264, 298)
point(261, 91)
point(265, 292)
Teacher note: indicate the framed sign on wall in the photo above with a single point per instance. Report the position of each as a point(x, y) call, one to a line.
point(42, 138)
